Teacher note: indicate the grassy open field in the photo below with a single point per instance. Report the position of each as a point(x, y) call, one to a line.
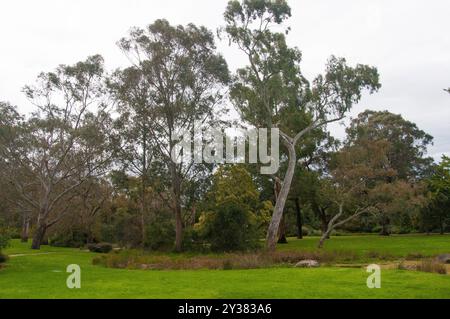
point(31, 274)
point(394, 246)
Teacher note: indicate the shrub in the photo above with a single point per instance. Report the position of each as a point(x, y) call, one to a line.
point(193, 242)
point(338, 233)
point(3, 258)
point(100, 248)
point(71, 239)
point(4, 241)
point(400, 230)
point(231, 228)
point(305, 231)
point(108, 233)
point(160, 235)
point(124, 229)
point(310, 231)
point(376, 229)
point(315, 233)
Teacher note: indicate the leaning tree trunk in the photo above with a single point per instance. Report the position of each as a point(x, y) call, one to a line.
point(272, 233)
point(38, 236)
point(324, 222)
point(299, 219)
point(332, 224)
point(282, 230)
point(324, 237)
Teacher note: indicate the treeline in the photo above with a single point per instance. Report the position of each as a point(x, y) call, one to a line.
point(92, 162)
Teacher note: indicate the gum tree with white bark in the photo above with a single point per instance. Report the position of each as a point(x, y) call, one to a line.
point(271, 90)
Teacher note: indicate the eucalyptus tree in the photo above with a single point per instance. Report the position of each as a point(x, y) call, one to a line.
point(62, 145)
point(134, 151)
point(184, 76)
point(272, 92)
point(11, 205)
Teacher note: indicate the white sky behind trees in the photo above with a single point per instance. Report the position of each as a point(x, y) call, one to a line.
point(407, 40)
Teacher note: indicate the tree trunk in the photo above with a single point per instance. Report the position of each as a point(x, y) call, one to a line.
point(332, 224)
point(299, 219)
point(324, 237)
point(144, 187)
point(25, 234)
point(282, 232)
point(194, 215)
point(142, 223)
point(176, 191)
point(272, 233)
point(282, 229)
point(442, 225)
point(179, 228)
point(384, 230)
point(385, 226)
point(38, 236)
point(322, 214)
point(324, 222)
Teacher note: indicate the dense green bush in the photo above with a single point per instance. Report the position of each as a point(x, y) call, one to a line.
point(3, 258)
point(305, 231)
point(193, 241)
point(4, 241)
point(124, 229)
point(231, 228)
point(107, 233)
point(160, 235)
point(100, 248)
point(72, 239)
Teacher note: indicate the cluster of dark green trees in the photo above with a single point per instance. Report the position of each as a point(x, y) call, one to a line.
point(93, 162)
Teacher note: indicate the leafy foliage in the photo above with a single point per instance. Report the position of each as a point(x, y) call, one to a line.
point(437, 213)
point(232, 214)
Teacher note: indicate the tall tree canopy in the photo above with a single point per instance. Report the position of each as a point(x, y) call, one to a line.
point(408, 143)
point(182, 77)
point(271, 91)
point(62, 145)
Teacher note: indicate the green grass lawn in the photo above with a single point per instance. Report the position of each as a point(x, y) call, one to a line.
point(395, 245)
point(38, 275)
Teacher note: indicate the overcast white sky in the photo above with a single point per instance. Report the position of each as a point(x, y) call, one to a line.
point(408, 40)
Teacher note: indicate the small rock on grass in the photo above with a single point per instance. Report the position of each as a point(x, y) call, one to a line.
point(308, 264)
